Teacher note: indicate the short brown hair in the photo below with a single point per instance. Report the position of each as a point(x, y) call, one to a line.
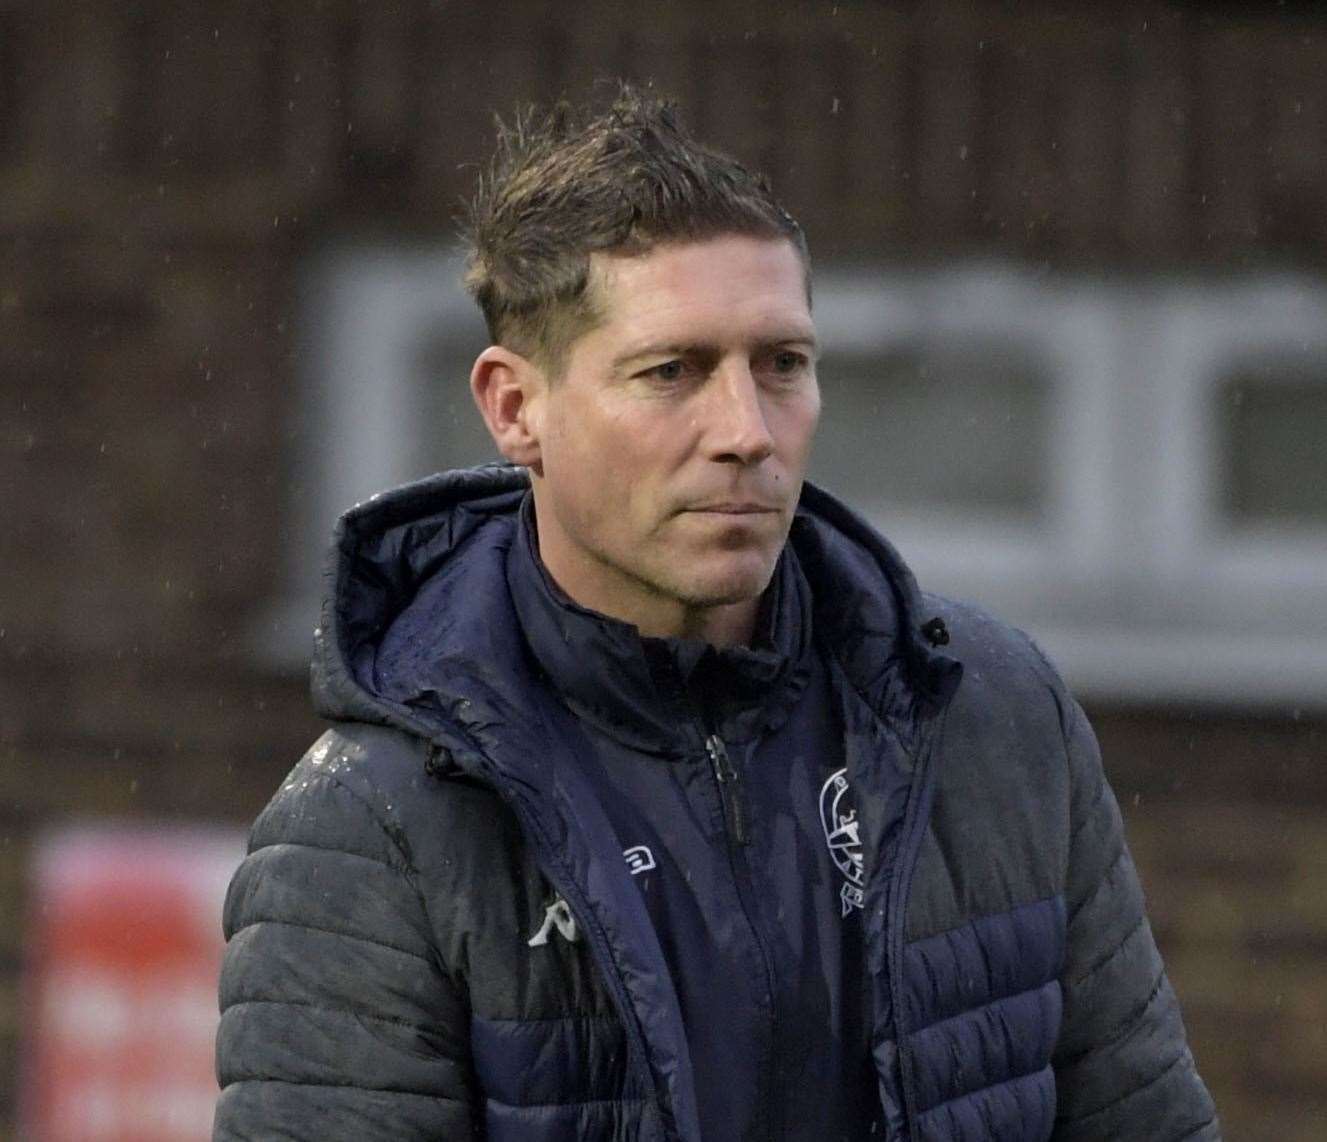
point(565, 184)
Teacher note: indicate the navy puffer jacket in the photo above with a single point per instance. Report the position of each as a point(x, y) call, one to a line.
point(379, 981)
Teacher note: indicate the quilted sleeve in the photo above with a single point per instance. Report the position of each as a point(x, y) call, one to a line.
point(338, 1019)
point(1123, 1067)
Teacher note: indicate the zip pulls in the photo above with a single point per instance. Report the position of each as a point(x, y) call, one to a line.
point(730, 788)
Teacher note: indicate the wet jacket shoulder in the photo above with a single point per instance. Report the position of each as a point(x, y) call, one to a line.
point(339, 1016)
point(375, 933)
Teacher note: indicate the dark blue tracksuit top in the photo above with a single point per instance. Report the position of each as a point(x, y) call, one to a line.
point(722, 773)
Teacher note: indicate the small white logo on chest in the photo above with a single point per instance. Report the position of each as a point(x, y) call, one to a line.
point(558, 916)
point(639, 859)
point(838, 816)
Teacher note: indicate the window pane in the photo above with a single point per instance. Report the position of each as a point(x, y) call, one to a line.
point(1275, 446)
point(961, 426)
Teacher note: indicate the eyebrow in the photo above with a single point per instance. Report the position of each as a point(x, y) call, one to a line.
point(704, 348)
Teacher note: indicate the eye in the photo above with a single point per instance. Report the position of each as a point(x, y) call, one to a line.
point(788, 362)
point(668, 371)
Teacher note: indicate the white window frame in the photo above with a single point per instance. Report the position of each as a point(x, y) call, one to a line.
point(1131, 579)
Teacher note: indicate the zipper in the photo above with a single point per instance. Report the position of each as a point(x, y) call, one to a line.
point(730, 788)
point(730, 797)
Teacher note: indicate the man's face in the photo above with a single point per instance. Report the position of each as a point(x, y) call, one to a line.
point(673, 446)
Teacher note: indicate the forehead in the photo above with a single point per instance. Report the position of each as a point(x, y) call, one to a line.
point(730, 283)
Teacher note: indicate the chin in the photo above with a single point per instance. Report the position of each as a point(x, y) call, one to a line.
point(739, 582)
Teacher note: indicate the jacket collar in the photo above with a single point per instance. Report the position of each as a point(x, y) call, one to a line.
point(662, 695)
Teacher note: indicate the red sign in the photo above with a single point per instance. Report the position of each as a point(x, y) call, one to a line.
point(126, 943)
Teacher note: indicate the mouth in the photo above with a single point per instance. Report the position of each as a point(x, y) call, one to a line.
point(735, 507)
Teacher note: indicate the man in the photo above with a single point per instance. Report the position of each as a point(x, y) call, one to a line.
point(653, 809)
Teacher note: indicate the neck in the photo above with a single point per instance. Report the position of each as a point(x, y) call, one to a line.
point(729, 624)
point(597, 586)
point(652, 613)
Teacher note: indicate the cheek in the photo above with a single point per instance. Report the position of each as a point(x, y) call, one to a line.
point(797, 427)
point(592, 471)
point(571, 444)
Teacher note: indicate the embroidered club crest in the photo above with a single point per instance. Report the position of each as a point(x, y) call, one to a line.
point(838, 817)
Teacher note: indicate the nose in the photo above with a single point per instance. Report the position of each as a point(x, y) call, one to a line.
point(738, 431)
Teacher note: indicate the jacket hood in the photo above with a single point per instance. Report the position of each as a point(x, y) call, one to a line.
point(438, 546)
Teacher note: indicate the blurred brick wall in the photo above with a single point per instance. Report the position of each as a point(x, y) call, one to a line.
point(165, 168)
point(1227, 818)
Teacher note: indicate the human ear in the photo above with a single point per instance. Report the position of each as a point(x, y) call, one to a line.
point(508, 391)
